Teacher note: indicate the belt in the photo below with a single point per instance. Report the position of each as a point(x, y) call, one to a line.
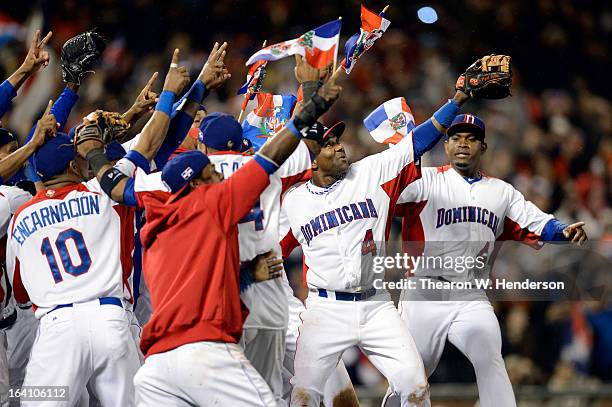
point(8, 321)
point(103, 301)
point(342, 296)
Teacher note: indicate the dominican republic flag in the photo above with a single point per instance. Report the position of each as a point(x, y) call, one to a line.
point(373, 26)
point(270, 115)
point(319, 46)
point(254, 78)
point(391, 121)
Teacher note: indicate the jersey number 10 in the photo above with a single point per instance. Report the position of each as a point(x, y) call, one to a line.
point(64, 254)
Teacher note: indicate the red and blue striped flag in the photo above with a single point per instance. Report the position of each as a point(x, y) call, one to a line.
point(318, 46)
point(373, 26)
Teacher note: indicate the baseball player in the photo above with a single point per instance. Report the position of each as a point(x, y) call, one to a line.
point(264, 330)
point(183, 343)
point(341, 220)
point(66, 256)
point(338, 390)
point(11, 198)
point(459, 203)
point(186, 113)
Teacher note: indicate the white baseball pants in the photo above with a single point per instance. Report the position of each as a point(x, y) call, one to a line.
point(265, 349)
point(331, 326)
point(20, 338)
point(201, 374)
point(88, 344)
point(337, 387)
point(473, 328)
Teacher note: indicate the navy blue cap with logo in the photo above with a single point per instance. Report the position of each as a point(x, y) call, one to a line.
point(467, 123)
point(177, 173)
point(246, 145)
point(221, 132)
point(54, 156)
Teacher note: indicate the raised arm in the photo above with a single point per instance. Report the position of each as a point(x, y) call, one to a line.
point(154, 132)
point(46, 126)
point(111, 179)
point(34, 60)
point(279, 148)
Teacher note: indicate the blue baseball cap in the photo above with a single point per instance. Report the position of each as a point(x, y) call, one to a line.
point(467, 123)
point(221, 132)
point(54, 156)
point(177, 172)
point(115, 151)
point(6, 137)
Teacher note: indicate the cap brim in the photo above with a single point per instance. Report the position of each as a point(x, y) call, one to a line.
point(334, 131)
point(465, 128)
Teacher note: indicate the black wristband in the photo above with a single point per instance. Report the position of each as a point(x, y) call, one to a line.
point(97, 159)
point(311, 111)
point(110, 179)
point(309, 89)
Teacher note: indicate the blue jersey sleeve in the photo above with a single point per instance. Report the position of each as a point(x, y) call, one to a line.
point(7, 94)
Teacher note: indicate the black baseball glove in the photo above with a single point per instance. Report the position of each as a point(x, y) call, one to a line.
point(489, 77)
point(79, 54)
point(102, 126)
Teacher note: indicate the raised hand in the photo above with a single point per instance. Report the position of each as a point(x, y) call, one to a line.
point(304, 72)
point(177, 77)
point(330, 91)
point(575, 233)
point(46, 127)
point(36, 56)
point(145, 101)
point(214, 73)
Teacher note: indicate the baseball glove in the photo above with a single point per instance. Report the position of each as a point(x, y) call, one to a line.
point(489, 77)
point(79, 54)
point(102, 126)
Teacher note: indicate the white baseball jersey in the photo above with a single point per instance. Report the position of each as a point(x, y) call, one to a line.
point(11, 198)
point(258, 233)
point(71, 244)
point(444, 207)
point(342, 227)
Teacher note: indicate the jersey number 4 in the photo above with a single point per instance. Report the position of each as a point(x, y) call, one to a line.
point(368, 246)
point(256, 215)
point(60, 245)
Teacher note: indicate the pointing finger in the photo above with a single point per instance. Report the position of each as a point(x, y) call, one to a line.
point(48, 109)
point(151, 81)
point(576, 225)
point(175, 58)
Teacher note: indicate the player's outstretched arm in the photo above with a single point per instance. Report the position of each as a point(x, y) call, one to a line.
point(46, 127)
point(286, 141)
point(154, 132)
point(35, 59)
point(555, 232)
point(145, 102)
point(112, 181)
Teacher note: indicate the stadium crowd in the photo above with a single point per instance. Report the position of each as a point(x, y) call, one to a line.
point(552, 139)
